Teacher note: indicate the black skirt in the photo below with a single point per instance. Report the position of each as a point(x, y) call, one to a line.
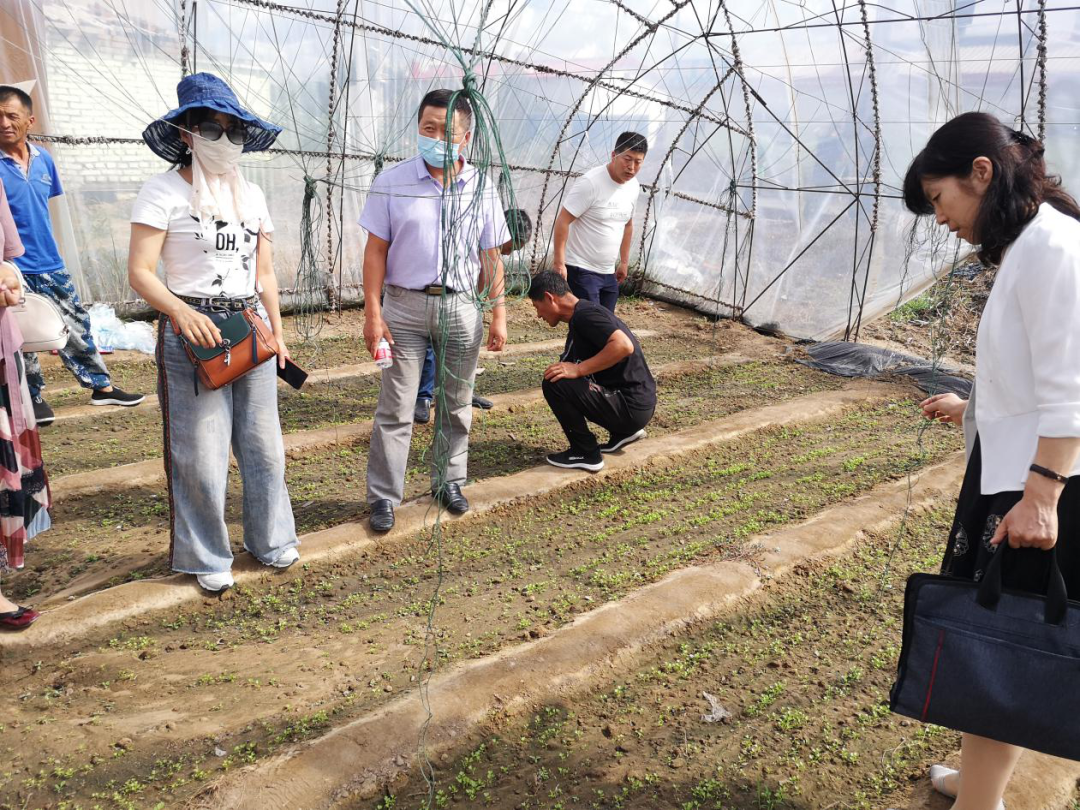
point(1026, 569)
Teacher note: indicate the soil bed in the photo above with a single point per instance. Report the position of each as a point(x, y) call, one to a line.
point(124, 436)
point(271, 666)
point(804, 673)
point(340, 342)
point(112, 537)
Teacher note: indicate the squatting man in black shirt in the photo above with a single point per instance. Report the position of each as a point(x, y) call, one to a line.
point(602, 376)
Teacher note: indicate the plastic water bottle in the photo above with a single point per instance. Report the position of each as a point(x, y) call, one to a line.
point(384, 358)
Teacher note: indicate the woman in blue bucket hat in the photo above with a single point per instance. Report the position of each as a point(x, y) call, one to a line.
point(211, 230)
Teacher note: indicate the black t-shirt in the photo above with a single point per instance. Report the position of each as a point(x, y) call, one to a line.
point(590, 327)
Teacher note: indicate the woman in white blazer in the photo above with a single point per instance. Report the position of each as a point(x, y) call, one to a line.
point(988, 184)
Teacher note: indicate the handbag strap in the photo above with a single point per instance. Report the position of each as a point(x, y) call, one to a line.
point(19, 275)
point(254, 339)
point(1057, 595)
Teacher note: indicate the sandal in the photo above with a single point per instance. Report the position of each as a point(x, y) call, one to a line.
point(18, 619)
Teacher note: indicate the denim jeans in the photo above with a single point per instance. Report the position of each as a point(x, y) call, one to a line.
point(427, 377)
point(199, 430)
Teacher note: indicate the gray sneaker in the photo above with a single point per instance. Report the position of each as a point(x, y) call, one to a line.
point(117, 396)
point(43, 414)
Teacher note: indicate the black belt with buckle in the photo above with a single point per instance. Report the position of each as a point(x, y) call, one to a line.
point(221, 302)
point(437, 289)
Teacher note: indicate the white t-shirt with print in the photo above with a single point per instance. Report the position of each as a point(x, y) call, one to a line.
point(602, 207)
point(220, 263)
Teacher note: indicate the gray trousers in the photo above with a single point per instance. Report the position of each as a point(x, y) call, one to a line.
point(455, 332)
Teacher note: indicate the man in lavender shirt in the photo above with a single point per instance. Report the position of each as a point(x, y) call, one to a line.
point(432, 275)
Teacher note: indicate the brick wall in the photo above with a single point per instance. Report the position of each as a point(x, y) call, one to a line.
point(107, 77)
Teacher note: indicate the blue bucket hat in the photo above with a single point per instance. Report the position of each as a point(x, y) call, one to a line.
point(205, 90)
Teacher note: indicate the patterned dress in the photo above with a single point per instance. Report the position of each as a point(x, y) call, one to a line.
point(1026, 569)
point(24, 487)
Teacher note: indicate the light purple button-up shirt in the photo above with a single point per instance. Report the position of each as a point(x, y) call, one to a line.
point(404, 207)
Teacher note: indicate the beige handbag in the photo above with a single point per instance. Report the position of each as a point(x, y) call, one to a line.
point(39, 318)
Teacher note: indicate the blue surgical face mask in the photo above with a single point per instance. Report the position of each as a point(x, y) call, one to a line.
point(433, 150)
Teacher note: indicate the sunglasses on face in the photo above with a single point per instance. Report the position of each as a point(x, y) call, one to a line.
point(212, 131)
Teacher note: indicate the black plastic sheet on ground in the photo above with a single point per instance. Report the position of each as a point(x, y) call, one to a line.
point(860, 360)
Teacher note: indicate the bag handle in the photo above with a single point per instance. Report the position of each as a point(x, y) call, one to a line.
point(19, 275)
point(1057, 596)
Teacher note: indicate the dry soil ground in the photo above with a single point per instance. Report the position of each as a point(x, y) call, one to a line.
point(149, 712)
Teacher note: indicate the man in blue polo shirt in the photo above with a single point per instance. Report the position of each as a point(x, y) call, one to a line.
point(31, 180)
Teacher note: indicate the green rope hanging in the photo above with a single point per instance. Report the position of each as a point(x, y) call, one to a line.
point(311, 298)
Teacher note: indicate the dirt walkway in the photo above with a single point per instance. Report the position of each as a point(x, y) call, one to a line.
point(113, 605)
point(122, 534)
point(289, 656)
point(130, 699)
point(360, 759)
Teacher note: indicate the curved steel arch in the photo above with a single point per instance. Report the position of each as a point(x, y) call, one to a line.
point(663, 164)
point(735, 68)
point(871, 69)
point(737, 64)
point(649, 30)
point(694, 114)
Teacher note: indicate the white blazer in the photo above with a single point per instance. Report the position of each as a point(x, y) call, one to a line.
point(1027, 366)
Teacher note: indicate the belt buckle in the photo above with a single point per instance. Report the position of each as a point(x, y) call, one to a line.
point(219, 302)
point(434, 289)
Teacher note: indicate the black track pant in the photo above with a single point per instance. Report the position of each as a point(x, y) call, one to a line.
point(575, 401)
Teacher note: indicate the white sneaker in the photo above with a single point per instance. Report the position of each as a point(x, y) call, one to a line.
point(216, 583)
point(287, 558)
point(939, 775)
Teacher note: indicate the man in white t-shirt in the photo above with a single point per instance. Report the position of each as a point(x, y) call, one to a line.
point(596, 224)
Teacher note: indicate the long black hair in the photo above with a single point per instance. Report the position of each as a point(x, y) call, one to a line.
point(1019, 185)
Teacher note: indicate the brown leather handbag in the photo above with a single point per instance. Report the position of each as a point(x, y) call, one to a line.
point(246, 342)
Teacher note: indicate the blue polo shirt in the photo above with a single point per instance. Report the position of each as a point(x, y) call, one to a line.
point(28, 195)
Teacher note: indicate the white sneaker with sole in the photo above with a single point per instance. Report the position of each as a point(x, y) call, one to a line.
point(287, 558)
point(216, 583)
point(940, 777)
point(593, 462)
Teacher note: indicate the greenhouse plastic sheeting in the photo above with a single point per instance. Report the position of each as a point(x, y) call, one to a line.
point(762, 200)
point(848, 359)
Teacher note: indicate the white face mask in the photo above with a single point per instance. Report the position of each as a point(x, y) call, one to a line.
point(218, 189)
point(217, 157)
